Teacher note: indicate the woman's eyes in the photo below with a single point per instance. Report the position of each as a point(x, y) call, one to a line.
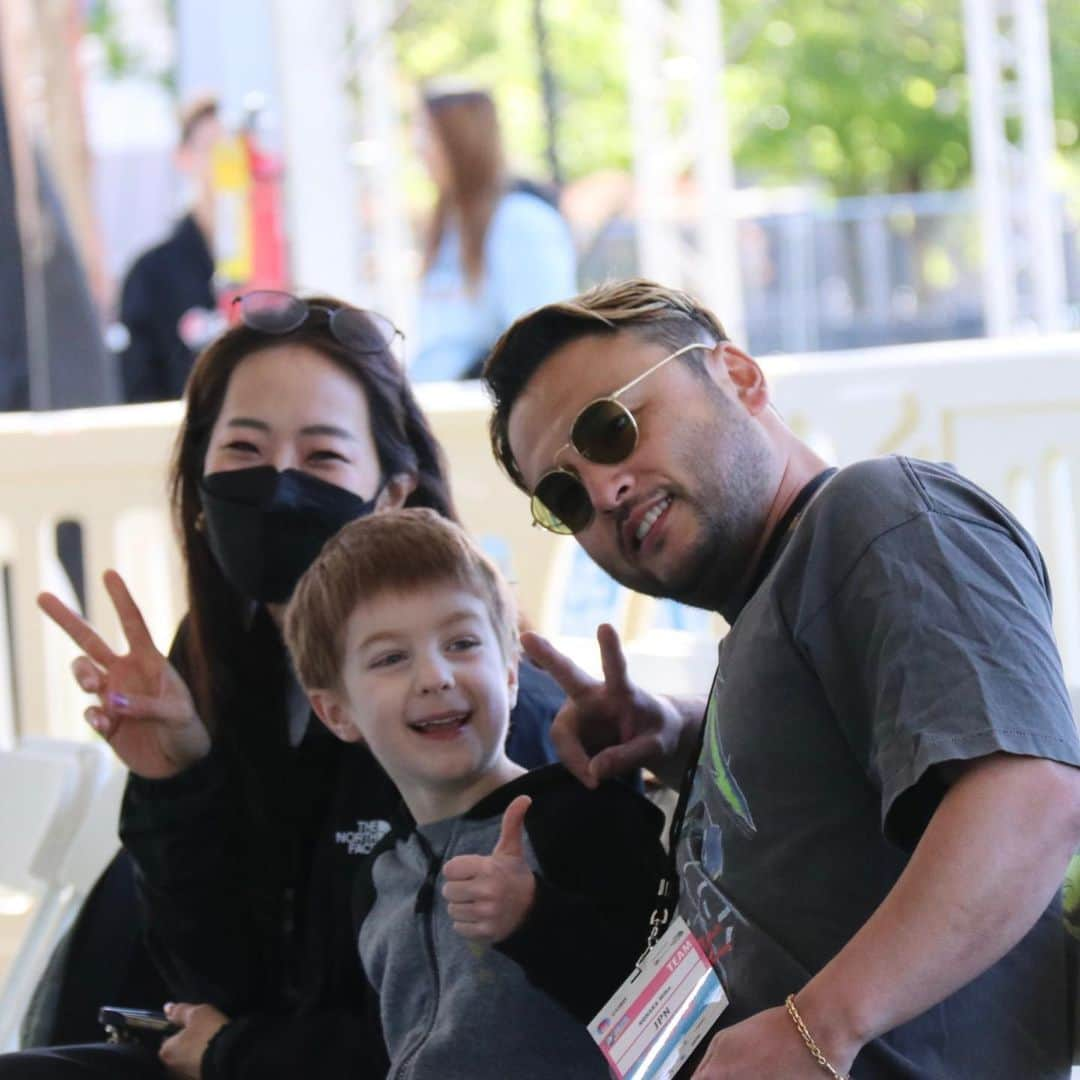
point(324, 455)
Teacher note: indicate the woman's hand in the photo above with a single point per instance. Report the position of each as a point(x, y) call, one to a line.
point(182, 1053)
point(146, 712)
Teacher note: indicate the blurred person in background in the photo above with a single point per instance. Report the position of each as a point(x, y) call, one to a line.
point(244, 817)
point(167, 303)
point(495, 248)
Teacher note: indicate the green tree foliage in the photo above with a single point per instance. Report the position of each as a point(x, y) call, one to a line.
point(858, 95)
point(492, 43)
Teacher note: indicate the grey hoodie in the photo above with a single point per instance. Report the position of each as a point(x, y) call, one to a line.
point(453, 1009)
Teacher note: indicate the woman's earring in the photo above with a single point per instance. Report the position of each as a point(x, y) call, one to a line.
point(200, 522)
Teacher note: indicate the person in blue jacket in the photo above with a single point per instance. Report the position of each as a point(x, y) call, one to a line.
point(495, 248)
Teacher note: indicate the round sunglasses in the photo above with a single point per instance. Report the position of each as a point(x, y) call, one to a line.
point(604, 432)
point(272, 312)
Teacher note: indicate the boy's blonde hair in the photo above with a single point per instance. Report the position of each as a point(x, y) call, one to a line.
point(399, 550)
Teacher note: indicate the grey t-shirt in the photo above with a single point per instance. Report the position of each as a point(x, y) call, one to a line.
point(906, 623)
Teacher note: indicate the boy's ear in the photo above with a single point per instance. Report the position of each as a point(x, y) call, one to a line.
point(330, 708)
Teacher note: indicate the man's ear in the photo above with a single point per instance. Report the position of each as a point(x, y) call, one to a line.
point(396, 490)
point(331, 709)
point(728, 365)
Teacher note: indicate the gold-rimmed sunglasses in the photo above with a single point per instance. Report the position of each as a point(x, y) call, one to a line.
point(604, 432)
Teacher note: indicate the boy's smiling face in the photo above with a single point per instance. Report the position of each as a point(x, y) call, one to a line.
point(426, 685)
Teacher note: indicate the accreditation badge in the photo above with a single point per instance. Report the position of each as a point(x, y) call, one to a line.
point(655, 1020)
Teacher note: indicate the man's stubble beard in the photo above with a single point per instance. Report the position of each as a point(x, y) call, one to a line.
point(735, 474)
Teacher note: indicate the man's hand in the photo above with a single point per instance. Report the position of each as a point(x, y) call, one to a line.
point(182, 1053)
point(609, 727)
point(764, 1047)
point(488, 896)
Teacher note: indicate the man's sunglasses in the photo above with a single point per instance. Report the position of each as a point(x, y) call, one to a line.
point(273, 312)
point(604, 432)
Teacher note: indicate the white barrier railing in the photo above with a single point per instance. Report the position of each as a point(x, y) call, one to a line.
point(1006, 412)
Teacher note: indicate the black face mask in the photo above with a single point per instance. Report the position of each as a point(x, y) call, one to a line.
point(265, 527)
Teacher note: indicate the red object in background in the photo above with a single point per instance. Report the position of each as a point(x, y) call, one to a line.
point(269, 269)
point(269, 266)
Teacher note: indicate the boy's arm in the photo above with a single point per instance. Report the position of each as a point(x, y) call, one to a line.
point(601, 862)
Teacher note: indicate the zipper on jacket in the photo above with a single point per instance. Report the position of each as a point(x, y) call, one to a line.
point(424, 908)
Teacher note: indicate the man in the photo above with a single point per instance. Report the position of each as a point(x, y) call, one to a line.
point(167, 302)
point(886, 793)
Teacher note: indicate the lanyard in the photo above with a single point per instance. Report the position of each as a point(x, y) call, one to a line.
point(668, 892)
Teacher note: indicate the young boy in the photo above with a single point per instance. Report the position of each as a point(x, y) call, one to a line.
point(502, 916)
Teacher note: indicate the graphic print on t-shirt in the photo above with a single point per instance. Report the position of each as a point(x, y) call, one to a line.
point(716, 802)
point(753, 967)
point(715, 762)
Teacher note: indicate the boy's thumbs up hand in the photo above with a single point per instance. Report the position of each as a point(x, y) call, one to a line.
point(511, 842)
point(488, 896)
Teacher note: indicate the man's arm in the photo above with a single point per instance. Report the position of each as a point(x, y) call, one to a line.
point(986, 867)
point(989, 863)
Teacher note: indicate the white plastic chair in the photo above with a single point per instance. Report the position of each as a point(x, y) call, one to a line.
point(59, 802)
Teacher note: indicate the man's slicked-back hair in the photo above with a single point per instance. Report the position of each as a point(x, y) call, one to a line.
point(654, 313)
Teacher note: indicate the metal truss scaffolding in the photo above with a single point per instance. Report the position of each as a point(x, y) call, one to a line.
point(1013, 140)
point(680, 129)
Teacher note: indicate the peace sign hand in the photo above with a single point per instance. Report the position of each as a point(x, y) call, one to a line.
point(606, 727)
point(146, 712)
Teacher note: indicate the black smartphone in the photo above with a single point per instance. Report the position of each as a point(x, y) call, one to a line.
point(135, 1025)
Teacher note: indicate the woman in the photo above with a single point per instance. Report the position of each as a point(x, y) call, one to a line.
point(244, 818)
point(494, 249)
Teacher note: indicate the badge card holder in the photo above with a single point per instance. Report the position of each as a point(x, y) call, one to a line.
point(655, 1020)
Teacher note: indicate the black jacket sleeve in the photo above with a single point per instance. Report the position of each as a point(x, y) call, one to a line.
point(336, 1044)
point(601, 862)
point(210, 932)
point(335, 1035)
point(204, 929)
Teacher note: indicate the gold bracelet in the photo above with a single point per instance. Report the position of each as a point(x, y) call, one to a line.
point(804, 1031)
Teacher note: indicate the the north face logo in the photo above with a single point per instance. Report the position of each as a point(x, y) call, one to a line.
point(366, 835)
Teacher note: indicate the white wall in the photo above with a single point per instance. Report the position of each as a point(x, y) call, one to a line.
point(1006, 412)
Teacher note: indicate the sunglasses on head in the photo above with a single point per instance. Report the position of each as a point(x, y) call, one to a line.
point(604, 432)
point(273, 312)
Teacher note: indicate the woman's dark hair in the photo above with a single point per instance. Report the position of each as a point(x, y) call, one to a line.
point(218, 616)
point(467, 128)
